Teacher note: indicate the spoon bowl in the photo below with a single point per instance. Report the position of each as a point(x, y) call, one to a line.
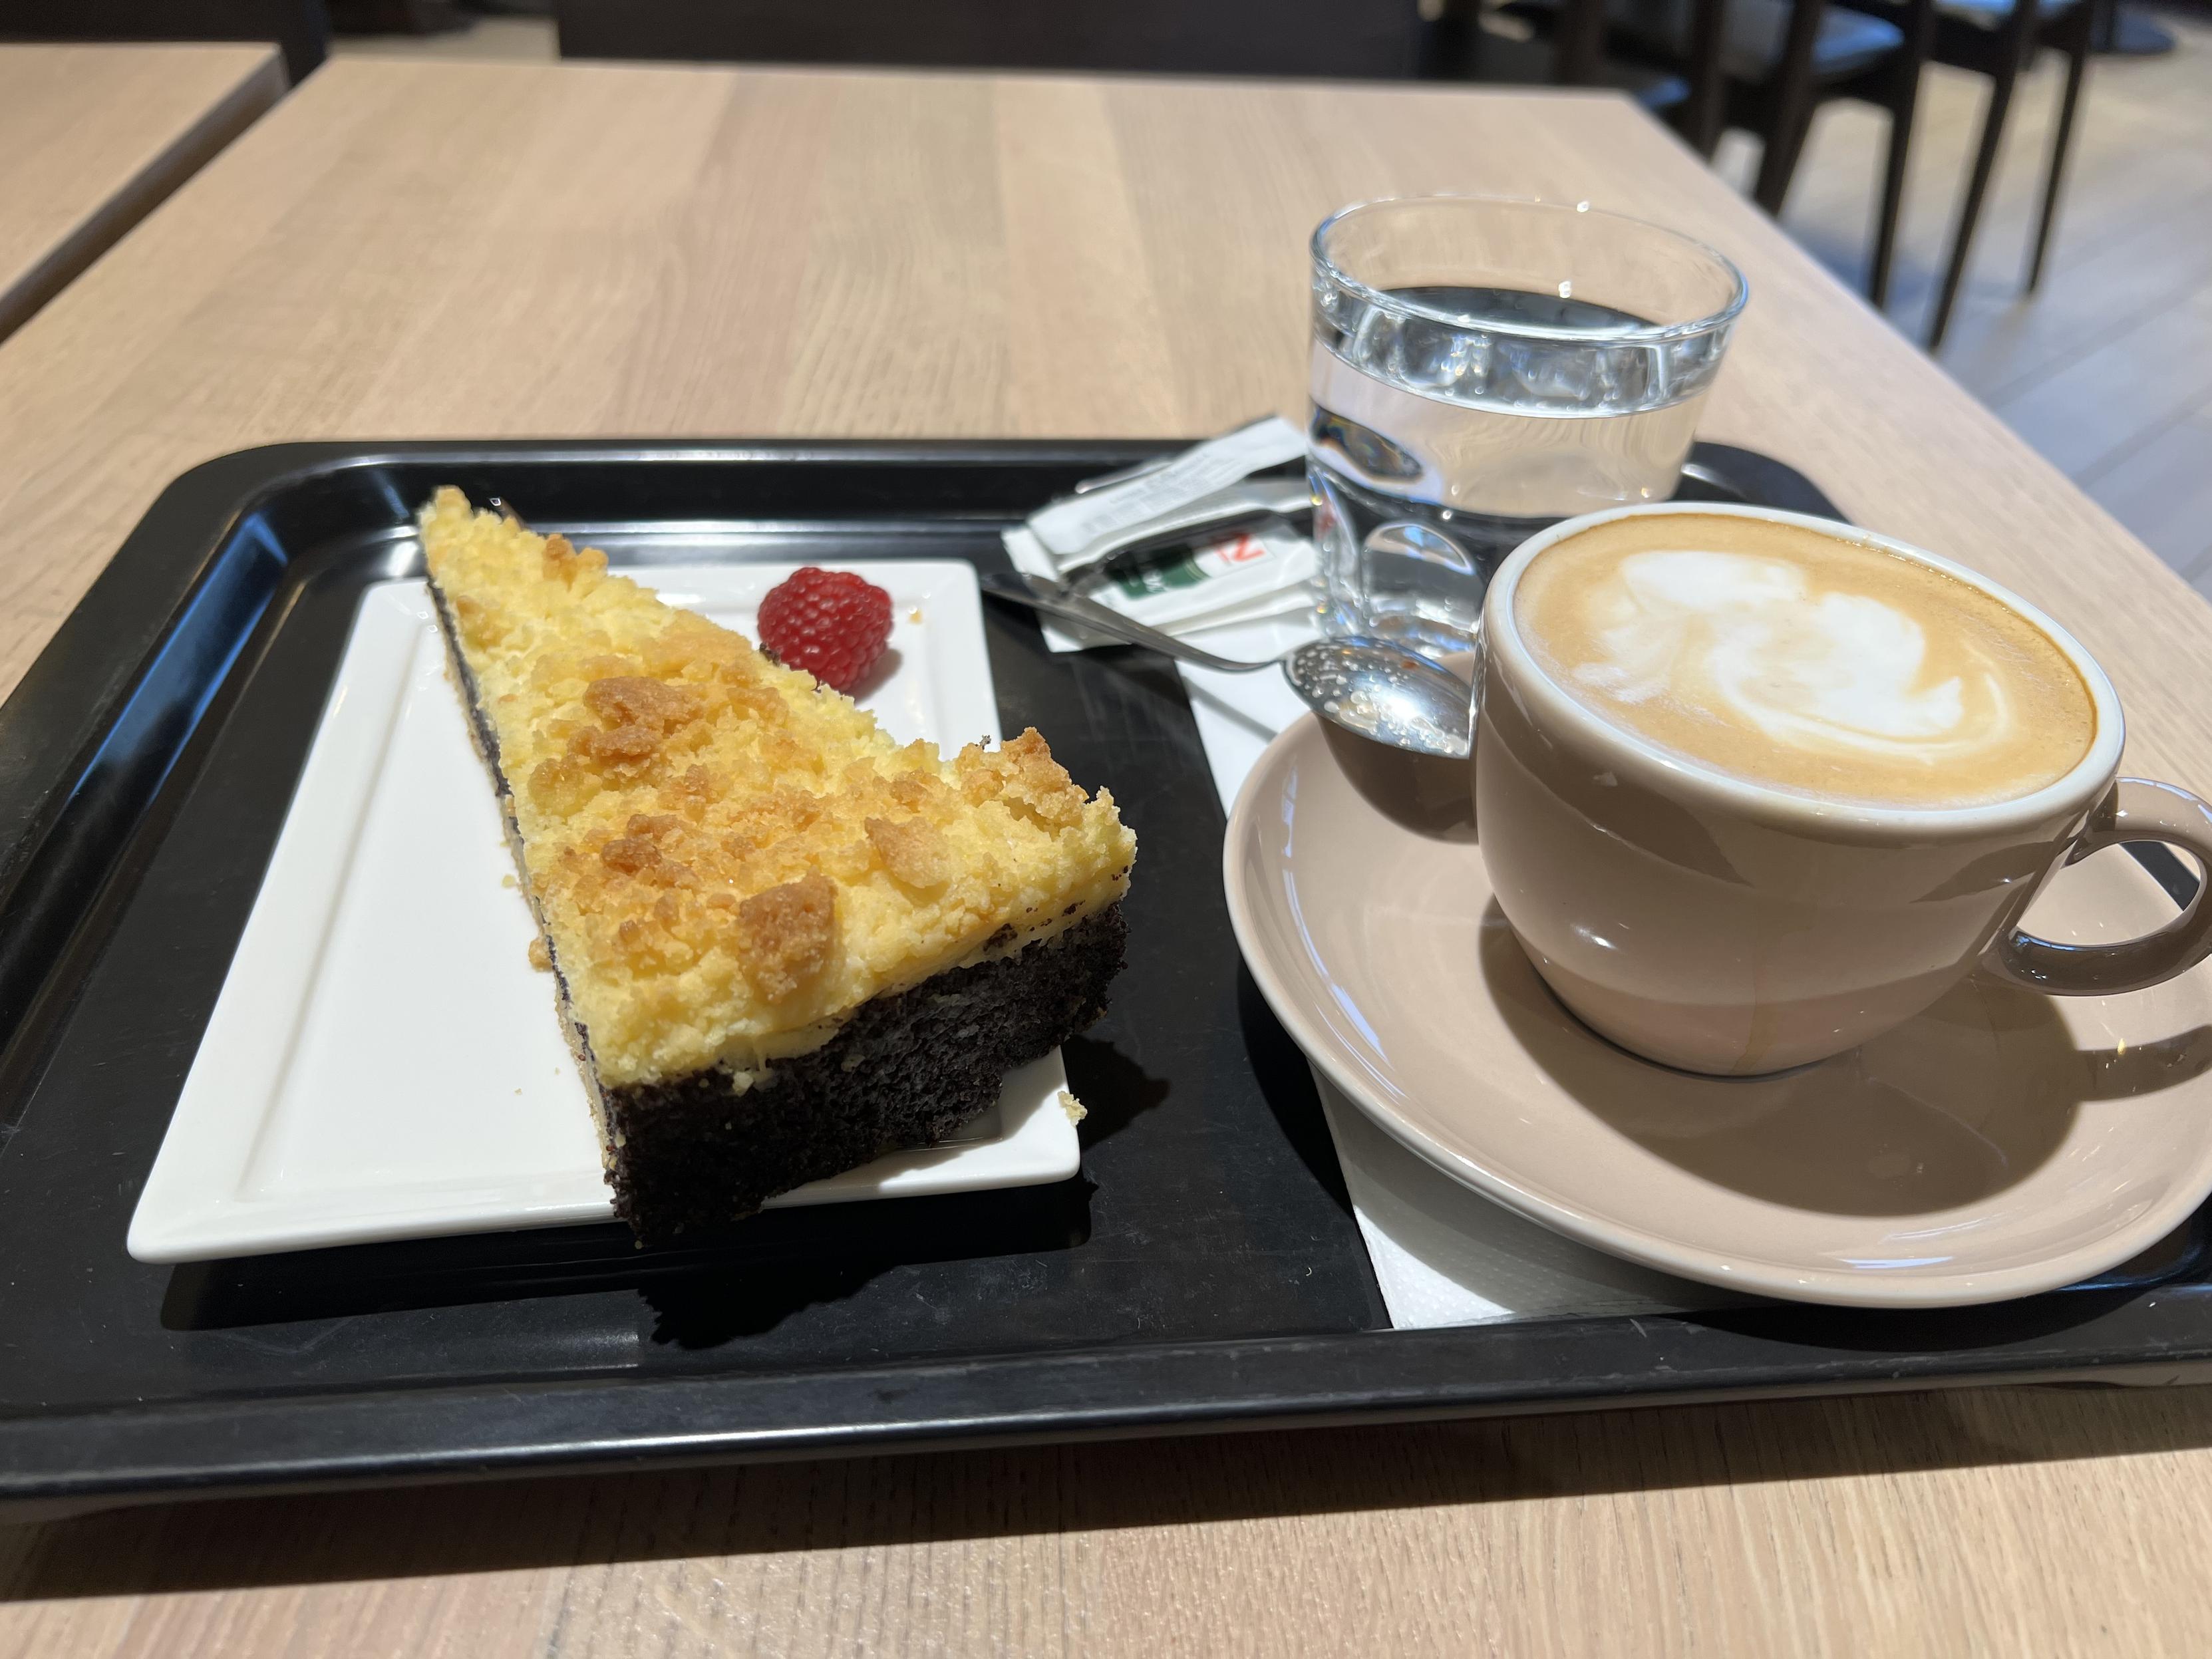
point(1385, 692)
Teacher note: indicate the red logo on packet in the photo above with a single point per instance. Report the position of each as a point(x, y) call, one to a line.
point(1241, 550)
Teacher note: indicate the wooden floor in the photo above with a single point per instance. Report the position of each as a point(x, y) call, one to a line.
point(2108, 370)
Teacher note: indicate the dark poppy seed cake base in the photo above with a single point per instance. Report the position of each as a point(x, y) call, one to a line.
point(693, 1156)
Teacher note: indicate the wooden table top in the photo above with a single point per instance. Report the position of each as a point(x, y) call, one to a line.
point(410, 250)
point(92, 138)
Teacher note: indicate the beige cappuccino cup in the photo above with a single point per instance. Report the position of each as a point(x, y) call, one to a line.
point(1753, 786)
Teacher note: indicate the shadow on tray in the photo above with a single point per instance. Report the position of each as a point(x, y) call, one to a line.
point(1286, 1082)
point(773, 1267)
point(776, 1265)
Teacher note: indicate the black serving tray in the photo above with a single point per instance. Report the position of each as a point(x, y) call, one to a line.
point(1204, 1271)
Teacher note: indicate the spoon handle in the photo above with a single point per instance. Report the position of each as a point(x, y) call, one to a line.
point(1039, 594)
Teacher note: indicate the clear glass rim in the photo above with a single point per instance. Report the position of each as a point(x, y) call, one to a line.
point(1650, 333)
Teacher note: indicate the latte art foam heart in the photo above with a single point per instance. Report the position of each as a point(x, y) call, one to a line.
point(1787, 657)
point(1747, 637)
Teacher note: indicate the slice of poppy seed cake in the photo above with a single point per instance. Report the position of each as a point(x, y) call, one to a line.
point(782, 943)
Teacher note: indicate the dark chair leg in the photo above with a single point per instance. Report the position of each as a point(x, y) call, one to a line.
point(2077, 66)
point(1778, 165)
point(1706, 112)
point(1893, 200)
point(1578, 42)
point(1985, 161)
point(1789, 106)
point(1904, 104)
point(1446, 47)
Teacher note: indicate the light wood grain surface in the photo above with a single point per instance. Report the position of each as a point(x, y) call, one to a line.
point(92, 138)
point(419, 251)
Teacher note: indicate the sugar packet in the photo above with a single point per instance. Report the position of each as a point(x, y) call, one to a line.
point(1222, 576)
point(1066, 529)
point(1241, 577)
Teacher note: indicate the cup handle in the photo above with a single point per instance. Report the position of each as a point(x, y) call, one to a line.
point(2134, 810)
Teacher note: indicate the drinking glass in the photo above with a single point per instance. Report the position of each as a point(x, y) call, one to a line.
point(1483, 368)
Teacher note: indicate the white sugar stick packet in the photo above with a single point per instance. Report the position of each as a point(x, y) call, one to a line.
point(1220, 578)
point(1064, 528)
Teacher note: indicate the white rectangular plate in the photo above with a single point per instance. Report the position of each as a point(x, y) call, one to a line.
point(383, 1061)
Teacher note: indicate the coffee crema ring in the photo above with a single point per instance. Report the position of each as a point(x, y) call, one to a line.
point(1789, 658)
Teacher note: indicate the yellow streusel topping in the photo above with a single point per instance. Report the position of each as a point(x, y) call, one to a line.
point(727, 857)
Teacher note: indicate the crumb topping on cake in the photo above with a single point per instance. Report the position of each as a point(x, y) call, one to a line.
point(729, 857)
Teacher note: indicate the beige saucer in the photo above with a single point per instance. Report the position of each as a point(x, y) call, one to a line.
point(2001, 1144)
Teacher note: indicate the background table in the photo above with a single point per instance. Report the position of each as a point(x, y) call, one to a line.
point(92, 138)
point(468, 250)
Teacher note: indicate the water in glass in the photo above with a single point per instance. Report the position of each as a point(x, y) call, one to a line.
point(1451, 421)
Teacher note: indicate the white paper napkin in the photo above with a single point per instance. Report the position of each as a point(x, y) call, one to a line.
point(1443, 1255)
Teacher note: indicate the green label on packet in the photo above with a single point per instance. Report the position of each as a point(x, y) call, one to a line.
point(1193, 568)
point(1161, 576)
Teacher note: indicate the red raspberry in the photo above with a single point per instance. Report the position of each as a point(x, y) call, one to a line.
point(830, 623)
